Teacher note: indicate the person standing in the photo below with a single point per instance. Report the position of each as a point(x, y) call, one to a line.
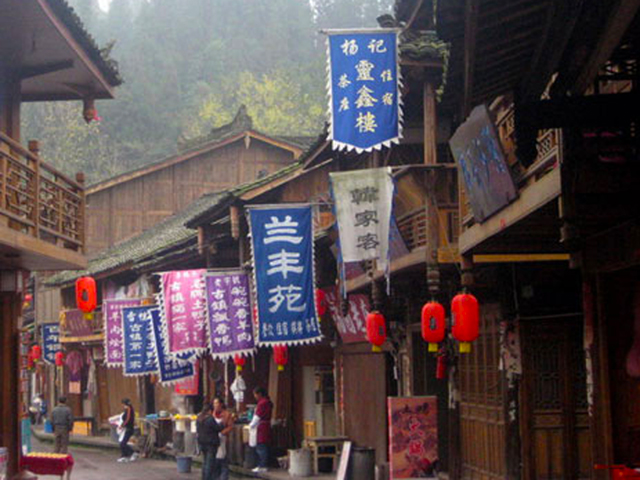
point(127, 425)
point(262, 423)
point(208, 440)
point(225, 421)
point(62, 421)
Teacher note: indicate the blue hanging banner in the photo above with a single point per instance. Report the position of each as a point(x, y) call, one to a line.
point(50, 342)
point(169, 369)
point(365, 108)
point(138, 344)
point(282, 241)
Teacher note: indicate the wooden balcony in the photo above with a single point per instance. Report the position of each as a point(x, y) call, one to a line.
point(413, 228)
point(41, 213)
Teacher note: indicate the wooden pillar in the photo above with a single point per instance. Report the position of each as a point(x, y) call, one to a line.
point(9, 400)
point(431, 207)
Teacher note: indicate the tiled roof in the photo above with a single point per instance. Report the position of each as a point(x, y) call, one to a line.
point(108, 67)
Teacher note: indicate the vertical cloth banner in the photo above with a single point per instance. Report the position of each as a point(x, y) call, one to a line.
point(364, 89)
point(191, 385)
point(229, 314)
point(182, 300)
point(139, 348)
point(169, 370)
point(363, 204)
point(112, 316)
point(50, 342)
point(282, 244)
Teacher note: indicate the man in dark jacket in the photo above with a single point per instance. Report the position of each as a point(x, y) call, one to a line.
point(62, 421)
point(209, 440)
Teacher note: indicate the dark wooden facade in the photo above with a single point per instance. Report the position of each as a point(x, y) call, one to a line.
point(127, 205)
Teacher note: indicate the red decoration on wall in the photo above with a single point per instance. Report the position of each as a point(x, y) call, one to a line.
point(86, 296)
point(240, 362)
point(441, 367)
point(465, 320)
point(433, 324)
point(321, 302)
point(30, 361)
point(376, 330)
point(281, 356)
point(59, 359)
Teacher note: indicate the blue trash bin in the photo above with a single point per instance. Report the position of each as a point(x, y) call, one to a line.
point(184, 464)
point(48, 427)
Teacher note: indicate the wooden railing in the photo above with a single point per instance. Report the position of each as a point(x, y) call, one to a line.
point(413, 227)
point(38, 200)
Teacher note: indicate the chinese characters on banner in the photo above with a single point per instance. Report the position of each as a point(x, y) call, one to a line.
point(364, 104)
point(352, 327)
point(139, 354)
point(229, 314)
point(169, 370)
point(363, 205)
point(413, 437)
point(189, 386)
point(183, 301)
point(50, 342)
point(282, 241)
point(112, 314)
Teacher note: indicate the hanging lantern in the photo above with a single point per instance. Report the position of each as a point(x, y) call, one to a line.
point(321, 302)
point(441, 367)
point(433, 324)
point(240, 362)
point(86, 296)
point(465, 320)
point(59, 359)
point(376, 330)
point(281, 356)
point(36, 352)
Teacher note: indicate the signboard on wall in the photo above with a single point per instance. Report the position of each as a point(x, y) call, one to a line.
point(413, 437)
point(477, 150)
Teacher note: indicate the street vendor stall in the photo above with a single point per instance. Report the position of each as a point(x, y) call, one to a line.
point(48, 464)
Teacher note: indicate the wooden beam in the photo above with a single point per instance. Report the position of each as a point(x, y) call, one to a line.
point(35, 71)
point(470, 31)
point(520, 257)
point(622, 14)
point(531, 199)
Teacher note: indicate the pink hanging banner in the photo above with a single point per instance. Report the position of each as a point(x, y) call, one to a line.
point(183, 302)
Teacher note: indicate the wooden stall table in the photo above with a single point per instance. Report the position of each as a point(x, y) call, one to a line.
point(42, 463)
point(331, 448)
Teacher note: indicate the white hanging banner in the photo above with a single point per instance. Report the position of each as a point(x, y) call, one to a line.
point(364, 204)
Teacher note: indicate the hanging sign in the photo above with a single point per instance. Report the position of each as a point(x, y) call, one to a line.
point(112, 315)
point(50, 342)
point(282, 241)
point(364, 89)
point(191, 385)
point(352, 327)
point(169, 369)
point(364, 203)
point(74, 323)
point(229, 314)
point(183, 308)
point(139, 354)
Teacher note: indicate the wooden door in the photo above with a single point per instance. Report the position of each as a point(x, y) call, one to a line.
point(556, 438)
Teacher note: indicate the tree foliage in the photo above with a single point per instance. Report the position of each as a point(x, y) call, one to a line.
point(187, 66)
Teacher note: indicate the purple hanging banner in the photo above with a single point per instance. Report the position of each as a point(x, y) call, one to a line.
point(183, 309)
point(229, 314)
point(112, 316)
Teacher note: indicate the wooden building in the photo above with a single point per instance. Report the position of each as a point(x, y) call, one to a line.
point(228, 156)
point(45, 55)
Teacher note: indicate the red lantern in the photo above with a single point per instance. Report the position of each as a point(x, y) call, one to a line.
point(240, 362)
point(441, 367)
point(433, 324)
point(86, 296)
point(59, 359)
point(465, 320)
point(376, 330)
point(281, 356)
point(36, 352)
point(321, 302)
